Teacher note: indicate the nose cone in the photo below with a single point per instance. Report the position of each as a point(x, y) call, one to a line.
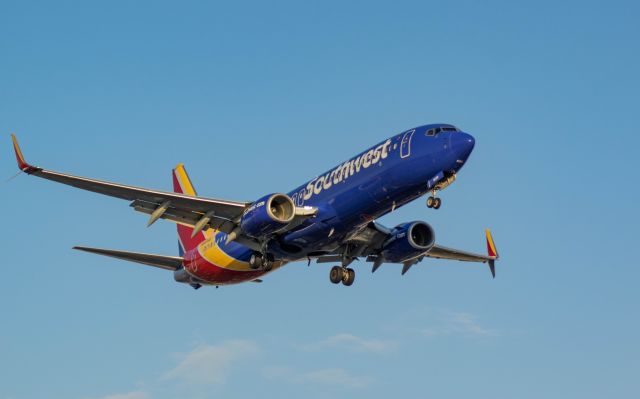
point(462, 145)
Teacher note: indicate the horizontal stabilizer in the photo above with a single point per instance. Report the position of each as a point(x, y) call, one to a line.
point(163, 262)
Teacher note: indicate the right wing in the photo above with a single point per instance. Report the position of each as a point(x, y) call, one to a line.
point(222, 215)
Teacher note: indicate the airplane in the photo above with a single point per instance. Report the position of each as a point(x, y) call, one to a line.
point(331, 218)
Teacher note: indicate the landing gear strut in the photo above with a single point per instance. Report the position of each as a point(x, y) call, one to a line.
point(344, 275)
point(433, 201)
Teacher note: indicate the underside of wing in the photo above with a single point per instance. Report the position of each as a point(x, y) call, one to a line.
point(163, 262)
point(371, 242)
point(440, 252)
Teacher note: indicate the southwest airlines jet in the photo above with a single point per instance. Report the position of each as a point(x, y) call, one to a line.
point(329, 219)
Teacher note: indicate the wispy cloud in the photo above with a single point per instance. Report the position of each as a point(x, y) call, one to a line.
point(354, 343)
point(329, 376)
point(461, 323)
point(211, 364)
point(129, 395)
point(335, 376)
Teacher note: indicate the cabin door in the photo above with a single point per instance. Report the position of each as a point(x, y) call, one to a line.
point(405, 144)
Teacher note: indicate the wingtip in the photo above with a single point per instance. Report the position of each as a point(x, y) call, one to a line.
point(179, 166)
point(22, 164)
point(492, 252)
point(491, 246)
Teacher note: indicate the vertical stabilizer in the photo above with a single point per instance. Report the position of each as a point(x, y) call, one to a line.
point(182, 184)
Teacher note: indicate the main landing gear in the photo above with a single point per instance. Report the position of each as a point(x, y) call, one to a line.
point(433, 201)
point(342, 274)
point(260, 261)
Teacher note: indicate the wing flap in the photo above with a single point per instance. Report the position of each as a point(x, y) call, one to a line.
point(189, 218)
point(172, 263)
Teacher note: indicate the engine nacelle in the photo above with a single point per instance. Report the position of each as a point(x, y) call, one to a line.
point(407, 241)
point(268, 215)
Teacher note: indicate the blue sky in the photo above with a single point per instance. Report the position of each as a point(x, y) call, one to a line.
point(258, 98)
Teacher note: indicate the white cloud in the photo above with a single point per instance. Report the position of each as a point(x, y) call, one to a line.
point(211, 364)
point(329, 376)
point(467, 323)
point(459, 323)
point(352, 343)
point(129, 395)
point(359, 344)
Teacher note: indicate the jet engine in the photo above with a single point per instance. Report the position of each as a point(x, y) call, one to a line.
point(267, 215)
point(407, 241)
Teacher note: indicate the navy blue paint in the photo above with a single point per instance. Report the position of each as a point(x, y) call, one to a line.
point(256, 222)
point(410, 170)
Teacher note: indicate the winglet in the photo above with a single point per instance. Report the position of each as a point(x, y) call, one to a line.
point(492, 252)
point(491, 247)
point(22, 164)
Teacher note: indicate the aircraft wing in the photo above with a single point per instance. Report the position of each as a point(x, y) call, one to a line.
point(223, 215)
point(369, 239)
point(163, 262)
point(440, 252)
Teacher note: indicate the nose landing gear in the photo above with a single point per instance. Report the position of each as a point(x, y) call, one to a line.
point(343, 275)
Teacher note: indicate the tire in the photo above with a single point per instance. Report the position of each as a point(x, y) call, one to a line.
point(267, 264)
point(437, 204)
point(255, 261)
point(349, 277)
point(430, 202)
point(335, 275)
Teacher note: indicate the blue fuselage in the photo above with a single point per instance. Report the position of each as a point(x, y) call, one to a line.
point(372, 184)
point(368, 186)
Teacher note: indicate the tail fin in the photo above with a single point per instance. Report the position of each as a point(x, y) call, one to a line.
point(182, 184)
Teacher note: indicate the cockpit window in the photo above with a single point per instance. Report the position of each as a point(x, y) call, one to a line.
point(435, 131)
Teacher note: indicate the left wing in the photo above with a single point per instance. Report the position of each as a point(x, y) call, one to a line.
point(440, 252)
point(222, 215)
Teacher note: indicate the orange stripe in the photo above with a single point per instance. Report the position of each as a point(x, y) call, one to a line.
point(491, 248)
point(183, 179)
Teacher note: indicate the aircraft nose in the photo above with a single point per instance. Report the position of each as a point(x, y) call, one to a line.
point(462, 144)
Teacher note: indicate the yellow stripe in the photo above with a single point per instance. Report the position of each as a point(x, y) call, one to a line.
point(16, 147)
point(184, 180)
point(210, 251)
point(490, 241)
point(209, 248)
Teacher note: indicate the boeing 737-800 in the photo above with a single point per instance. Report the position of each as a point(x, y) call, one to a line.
point(329, 219)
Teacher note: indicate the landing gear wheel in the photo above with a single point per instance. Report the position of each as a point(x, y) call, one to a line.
point(430, 202)
point(437, 203)
point(268, 263)
point(256, 261)
point(348, 277)
point(335, 275)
